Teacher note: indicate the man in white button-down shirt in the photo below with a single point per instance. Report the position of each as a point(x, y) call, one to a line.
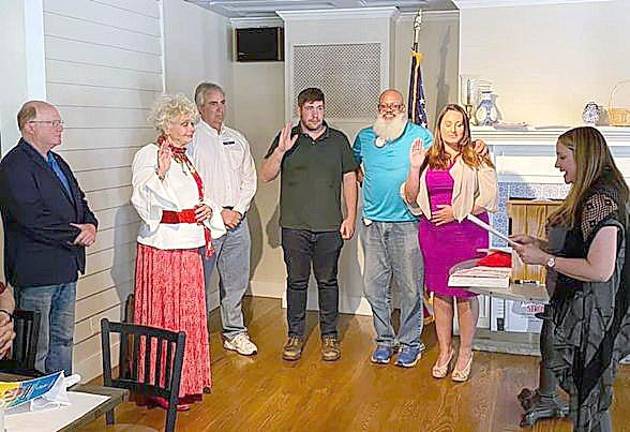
point(223, 158)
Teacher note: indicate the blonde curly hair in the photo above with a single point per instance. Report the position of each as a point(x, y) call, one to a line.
point(167, 107)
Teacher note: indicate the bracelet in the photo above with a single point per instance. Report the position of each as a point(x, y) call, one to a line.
point(161, 177)
point(8, 313)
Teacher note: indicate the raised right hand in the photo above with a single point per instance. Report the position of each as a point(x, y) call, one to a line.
point(164, 159)
point(286, 142)
point(417, 154)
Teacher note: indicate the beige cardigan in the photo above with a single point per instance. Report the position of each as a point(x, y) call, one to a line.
point(473, 187)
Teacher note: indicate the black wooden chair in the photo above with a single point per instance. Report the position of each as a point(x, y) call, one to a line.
point(167, 350)
point(22, 358)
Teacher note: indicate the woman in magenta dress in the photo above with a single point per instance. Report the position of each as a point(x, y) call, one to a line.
point(445, 183)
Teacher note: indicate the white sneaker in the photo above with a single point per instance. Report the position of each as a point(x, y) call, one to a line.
point(241, 344)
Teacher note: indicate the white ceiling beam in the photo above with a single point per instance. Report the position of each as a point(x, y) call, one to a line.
point(475, 4)
point(251, 8)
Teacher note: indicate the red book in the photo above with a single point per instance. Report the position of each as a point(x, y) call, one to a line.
point(496, 259)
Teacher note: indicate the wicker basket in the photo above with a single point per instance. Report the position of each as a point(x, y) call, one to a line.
point(618, 116)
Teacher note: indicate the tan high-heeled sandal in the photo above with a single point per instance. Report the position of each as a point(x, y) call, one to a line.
point(441, 371)
point(463, 374)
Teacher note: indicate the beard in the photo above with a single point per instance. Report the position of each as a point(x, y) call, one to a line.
point(390, 129)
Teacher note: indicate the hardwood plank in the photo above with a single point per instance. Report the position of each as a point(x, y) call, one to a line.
point(266, 393)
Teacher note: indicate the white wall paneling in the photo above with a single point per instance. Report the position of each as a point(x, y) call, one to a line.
point(103, 65)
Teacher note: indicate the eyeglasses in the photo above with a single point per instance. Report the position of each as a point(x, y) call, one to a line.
point(390, 107)
point(53, 123)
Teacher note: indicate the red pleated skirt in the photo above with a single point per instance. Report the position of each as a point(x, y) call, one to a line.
point(170, 294)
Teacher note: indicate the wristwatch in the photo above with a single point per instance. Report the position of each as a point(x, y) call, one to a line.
point(551, 262)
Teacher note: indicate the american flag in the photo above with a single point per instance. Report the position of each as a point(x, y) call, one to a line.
point(417, 109)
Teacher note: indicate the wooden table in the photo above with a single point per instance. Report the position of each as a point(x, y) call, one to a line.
point(115, 397)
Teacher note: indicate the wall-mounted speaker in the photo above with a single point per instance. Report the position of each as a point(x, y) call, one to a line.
point(259, 44)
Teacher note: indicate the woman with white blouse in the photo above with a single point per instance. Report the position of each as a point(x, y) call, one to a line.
point(168, 195)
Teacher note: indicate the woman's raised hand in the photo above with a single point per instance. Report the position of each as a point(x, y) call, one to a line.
point(164, 159)
point(417, 154)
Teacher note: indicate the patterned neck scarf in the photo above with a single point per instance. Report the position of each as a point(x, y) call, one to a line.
point(179, 156)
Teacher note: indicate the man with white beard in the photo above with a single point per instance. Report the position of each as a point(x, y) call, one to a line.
point(390, 230)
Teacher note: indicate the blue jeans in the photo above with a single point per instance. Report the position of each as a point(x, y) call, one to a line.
point(303, 248)
point(392, 253)
point(55, 304)
point(231, 257)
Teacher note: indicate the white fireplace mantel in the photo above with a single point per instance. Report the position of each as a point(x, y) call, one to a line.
point(528, 156)
point(615, 136)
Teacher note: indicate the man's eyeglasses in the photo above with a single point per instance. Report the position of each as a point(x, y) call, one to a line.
point(53, 123)
point(390, 107)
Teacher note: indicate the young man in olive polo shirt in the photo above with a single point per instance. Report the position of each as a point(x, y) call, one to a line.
point(316, 163)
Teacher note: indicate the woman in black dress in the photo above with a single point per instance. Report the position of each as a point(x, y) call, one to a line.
point(589, 273)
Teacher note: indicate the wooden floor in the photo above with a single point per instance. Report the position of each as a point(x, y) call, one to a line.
point(266, 393)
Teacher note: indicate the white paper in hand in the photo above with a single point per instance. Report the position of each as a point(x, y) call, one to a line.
point(482, 224)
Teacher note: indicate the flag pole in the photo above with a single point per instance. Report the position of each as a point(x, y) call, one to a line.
point(416, 93)
point(417, 22)
point(427, 307)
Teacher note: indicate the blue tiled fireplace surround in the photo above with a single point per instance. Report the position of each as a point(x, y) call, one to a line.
point(508, 190)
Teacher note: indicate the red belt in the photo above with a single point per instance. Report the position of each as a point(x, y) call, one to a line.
point(187, 216)
point(175, 217)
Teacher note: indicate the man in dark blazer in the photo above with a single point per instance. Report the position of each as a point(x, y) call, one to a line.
point(47, 226)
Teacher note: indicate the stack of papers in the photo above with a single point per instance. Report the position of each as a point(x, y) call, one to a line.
point(494, 277)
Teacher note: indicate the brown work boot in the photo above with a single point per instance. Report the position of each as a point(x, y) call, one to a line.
point(293, 348)
point(331, 350)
